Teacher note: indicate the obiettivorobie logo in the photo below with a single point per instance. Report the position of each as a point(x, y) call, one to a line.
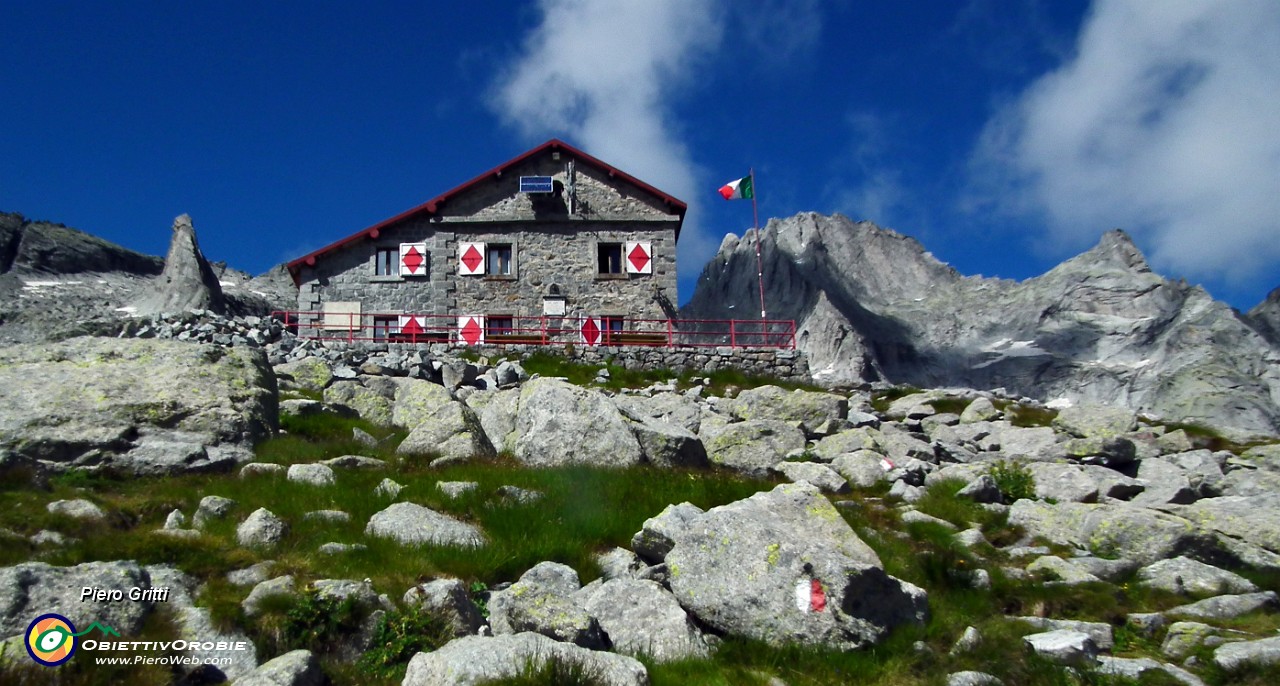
point(51, 638)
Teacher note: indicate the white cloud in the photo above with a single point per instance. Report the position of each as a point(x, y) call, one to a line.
point(602, 74)
point(1163, 123)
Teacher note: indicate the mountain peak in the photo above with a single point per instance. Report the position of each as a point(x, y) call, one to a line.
point(1118, 248)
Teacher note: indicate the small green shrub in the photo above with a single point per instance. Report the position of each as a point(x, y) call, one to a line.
point(316, 622)
point(1013, 479)
point(398, 637)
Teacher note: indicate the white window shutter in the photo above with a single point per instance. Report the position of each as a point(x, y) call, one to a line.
point(589, 331)
point(413, 259)
point(470, 259)
point(471, 329)
point(638, 256)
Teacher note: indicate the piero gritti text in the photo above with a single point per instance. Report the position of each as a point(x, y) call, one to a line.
point(93, 594)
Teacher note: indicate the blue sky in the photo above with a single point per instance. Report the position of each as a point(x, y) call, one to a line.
point(1005, 135)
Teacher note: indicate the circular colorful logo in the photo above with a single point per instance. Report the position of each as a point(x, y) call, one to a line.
point(51, 639)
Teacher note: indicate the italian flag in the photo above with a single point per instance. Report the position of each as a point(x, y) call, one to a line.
point(742, 189)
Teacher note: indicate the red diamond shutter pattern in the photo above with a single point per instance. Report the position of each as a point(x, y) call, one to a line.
point(410, 326)
point(591, 330)
point(413, 259)
point(638, 257)
point(471, 329)
point(470, 259)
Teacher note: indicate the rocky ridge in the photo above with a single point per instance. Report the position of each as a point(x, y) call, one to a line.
point(1101, 328)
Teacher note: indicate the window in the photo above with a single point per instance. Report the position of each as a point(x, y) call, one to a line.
point(613, 326)
point(385, 326)
point(609, 258)
point(500, 325)
point(387, 262)
point(500, 259)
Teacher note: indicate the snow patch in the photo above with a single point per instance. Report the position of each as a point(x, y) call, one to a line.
point(1059, 403)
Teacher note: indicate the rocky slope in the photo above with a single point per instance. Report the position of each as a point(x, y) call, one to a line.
point(1265, 317)
point(871, 304)
point(57, 282)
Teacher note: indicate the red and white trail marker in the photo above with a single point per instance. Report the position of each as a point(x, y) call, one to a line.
point(639, 257)
point(810, 596)
point(471, 329)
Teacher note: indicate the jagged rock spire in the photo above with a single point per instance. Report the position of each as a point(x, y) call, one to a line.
point(188, 282)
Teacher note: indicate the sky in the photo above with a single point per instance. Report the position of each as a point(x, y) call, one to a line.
point(1004, 135)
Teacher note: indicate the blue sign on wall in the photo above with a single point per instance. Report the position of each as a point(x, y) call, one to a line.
point(536, 184)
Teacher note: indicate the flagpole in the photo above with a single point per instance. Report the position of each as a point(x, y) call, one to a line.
point(755, 220)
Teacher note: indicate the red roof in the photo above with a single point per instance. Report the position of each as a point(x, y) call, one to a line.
point(431, 206)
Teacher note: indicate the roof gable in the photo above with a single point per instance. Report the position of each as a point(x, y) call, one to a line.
point(442, 206)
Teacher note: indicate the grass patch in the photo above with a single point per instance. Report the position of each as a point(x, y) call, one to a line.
point(1028, 416)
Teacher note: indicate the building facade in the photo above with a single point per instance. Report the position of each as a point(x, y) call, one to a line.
point(552, 240)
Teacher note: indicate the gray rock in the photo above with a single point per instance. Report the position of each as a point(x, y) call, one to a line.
point(212, 508)
point(1063, 483)
point(658, 534)
point(518, 496)
point(334, 548)
point(1039, 443)
point(982, 489)
point(388, 488)
point(440, 427)
point(1183, 638)
point(980, 410)
point(308, 374)
point(497, 414)
point(820, 475)
point(1184, 575)
point(1095, 421)
point(94, 401)
point(263, 529)
point(456, 489)
point(252, 575)
point(542, 602)
point(665, 444)
point(449, 600)
point(175, 520)
point(620, 563)
point(1064, 646)
point(372, 399)
point(861, 468)
point(195, 624)
point(1165, 483)
point(311, 474)
point(969, 641)
point(279, 586)
point(294, 668)
point(1061, 571)
point(1248, 518)
point(76, 509)
point(1232, 657)
point(300, 407)
point(413, 524)
point(33, 588)
point(742, 569)
point(1111, 483)
point(851, 441)
point(560, 424)
point(1227, 606)
point(1098, 632)
point(1118, 529)
point(754, 446)
point(187, 282)
point(477, 660)
point(808, 408)
point(355, 462)
point(1107, 570)
point(642, 618)
point(971, 678)
point(1134, 669)
point(327, 516)
point(671, 408)
point(910, 516)
point(257, 469)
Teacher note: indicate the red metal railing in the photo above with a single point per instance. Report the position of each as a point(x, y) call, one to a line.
point(542, 330)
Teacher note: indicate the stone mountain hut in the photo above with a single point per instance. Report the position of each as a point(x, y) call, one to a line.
point(553, 245)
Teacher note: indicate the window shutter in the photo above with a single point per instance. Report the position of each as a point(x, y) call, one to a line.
point(590, 330)
point(638, 256)
point(413, 259)
point(470, 259)
point(471, 329)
